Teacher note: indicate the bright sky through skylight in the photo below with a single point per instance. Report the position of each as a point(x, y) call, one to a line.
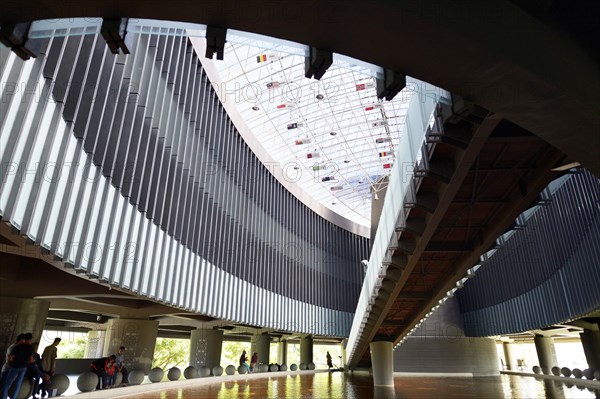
point(335, 134)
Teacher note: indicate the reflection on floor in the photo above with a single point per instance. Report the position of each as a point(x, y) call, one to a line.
point(339, 385)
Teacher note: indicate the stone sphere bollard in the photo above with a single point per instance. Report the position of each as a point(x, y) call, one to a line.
point(190, 372)
point(273, 367)
point(156, 374)
point(302, 366)
point(204, 371)
point(174, 374)
point(87, 381)
point(283, 367)
point(565, 371)
point(588, 374)
point(242, 370)
point(230, 370)
point(556, 370)
point(25, 390)
point(136, 377)
point(577, 373)
point(61, 383)
point(263, 368)
point(217, 371)
point(537, 369)
point(597, 375)
point(118, 379)
point(293, 367)
point(310, 366)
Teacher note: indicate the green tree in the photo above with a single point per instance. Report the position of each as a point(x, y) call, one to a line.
point(231, 352)
point(170, 352)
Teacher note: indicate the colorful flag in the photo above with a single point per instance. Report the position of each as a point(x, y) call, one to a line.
point(264, 58)
point(381, 140)
point(313, 155)
point(302, 141)
point(387, 165)
point(372, 107)
point(272, 85)
point(364, 86)
point(296, 125)
point(316, 167)
point(286, 105)
point(379, 123)
point(384, 154)
point(327, 178)
point(337, 188)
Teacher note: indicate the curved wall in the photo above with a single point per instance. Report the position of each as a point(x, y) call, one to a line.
point(129, 169)
point(546, 273)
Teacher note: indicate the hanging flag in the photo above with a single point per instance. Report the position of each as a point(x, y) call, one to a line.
point(286, 105)
point(272, 85)
point(313, 155)
point(337, 188)
point(364, 86)
point(382, 140)
point(296, 125)
point(387, 165)
point(317, 167)
point(328, 178)
point(372, 107)
point(302, 141)
point(267, 57)
point(379, 123)
point(385, 154)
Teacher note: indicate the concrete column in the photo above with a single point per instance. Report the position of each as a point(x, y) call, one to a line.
point(95, 344)
point(343, 346)
point(382, 360)
point(544, 346)
point(139, 339)
point(590, 340)
point(282, 352)
point(261, 343)
point(205, 347)
point(509, 357)
point(306, 349)
point(21, 315)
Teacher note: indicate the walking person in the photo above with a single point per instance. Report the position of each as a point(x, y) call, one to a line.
point(49, 357)
point(329, 362)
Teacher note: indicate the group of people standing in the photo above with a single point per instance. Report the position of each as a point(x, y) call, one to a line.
point(23, 361)
point(106, 368)
point(253, 362)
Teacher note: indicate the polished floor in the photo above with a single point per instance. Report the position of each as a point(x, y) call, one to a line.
point(338, 385)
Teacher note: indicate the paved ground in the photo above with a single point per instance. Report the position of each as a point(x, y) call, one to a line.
point(309, 385)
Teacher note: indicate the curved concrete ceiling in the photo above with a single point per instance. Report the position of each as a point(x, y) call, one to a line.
point(492, 53)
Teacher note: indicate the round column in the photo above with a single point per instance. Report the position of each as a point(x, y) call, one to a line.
point(544, 346)
point(382, 361)
point(306, 349)
point(509, 357)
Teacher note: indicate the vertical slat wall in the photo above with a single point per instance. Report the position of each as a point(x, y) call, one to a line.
point(546, 273)
point(129, 169)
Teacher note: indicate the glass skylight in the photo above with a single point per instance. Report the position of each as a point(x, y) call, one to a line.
point(333, 137)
